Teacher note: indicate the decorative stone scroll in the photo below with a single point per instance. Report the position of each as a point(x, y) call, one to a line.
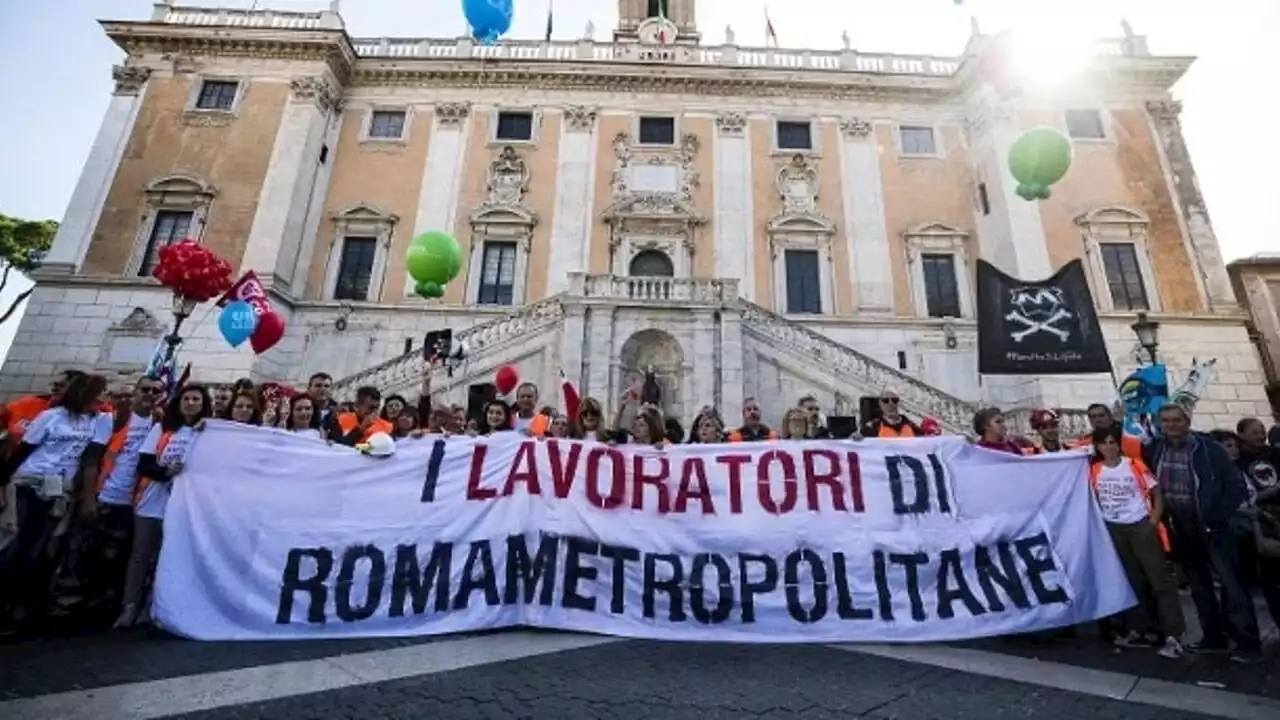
point(731, 123)
point(856, 127)
point(317, 90)
point(580, 117)
point(129, 78)
point(453, 113)
point(508, 179)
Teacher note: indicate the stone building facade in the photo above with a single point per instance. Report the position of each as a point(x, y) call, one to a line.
point(745, 221)
point(1256, 281)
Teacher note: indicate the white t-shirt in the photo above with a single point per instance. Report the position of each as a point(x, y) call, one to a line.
point(155, 498)
point(118, 487)
point(312, 433)
point(60, 439)
point(1118, 494)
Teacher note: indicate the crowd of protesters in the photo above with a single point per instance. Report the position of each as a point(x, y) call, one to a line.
point(87, 473)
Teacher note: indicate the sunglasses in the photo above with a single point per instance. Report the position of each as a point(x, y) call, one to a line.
point(889, 401)
point(145, 391)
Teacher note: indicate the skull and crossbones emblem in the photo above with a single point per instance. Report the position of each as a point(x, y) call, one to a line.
point(1038, 310)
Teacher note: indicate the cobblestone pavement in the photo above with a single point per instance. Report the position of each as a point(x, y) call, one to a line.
point(656, 681)
point(623, 680)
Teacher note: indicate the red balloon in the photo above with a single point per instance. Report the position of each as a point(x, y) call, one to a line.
point(506, 379)
point(269, 331)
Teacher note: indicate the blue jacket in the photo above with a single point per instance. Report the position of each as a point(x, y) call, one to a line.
point(1220, 487)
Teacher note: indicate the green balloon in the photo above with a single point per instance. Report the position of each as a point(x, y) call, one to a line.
point(429, 290)
point(433, 257)
point(1039, 159)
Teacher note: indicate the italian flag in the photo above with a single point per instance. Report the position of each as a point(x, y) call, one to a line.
point(664, 37)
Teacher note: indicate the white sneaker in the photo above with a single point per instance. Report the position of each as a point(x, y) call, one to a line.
point(1171, 649)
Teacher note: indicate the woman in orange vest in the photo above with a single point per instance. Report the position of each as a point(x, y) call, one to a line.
point(1131, 505)
point(160, 460)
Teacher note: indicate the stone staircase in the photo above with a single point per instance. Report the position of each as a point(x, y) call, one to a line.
point(809, 346)
point(404, 372)
point(806, 347)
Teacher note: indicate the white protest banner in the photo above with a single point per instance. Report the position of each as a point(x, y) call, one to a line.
point(271, 536)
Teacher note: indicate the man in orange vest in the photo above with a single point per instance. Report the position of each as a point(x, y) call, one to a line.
point(18, 413)
point(891, 423)
point(1046, 424)
point(752, 429)
point(353, 428)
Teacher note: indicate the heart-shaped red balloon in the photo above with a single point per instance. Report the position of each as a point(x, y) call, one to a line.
point(269, 331)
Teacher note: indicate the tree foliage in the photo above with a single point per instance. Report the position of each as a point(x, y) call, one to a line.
point(22, 244)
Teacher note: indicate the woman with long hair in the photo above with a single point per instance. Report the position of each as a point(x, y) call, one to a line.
point(648, 428)
point(795, 424)
point(707, 428)
point(160, 460)
point(303, 418)
point(1131, 506)
point(244, 409)
point(589, 424)
point(43, 469)
point(497, 418)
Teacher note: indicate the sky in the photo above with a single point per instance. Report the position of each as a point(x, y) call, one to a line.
point(55, 70)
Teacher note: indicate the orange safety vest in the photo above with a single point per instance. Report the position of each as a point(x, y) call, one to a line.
point(19, 413)
point(114, 446)
point(348, 422)
point(737, 437)
point(144, 481)
point(887, 431)
point(1140, 471)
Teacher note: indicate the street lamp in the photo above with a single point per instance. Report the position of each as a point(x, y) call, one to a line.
point(1148, 332)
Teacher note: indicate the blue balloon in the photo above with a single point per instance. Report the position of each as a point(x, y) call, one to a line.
point(237, 322)
point(489, 19)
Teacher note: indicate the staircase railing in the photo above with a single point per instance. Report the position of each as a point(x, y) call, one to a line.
point(917, 397)
point(407, 368)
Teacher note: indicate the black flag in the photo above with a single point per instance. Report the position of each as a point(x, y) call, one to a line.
point(1046, 327)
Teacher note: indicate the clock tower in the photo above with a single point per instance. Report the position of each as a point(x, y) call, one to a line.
point(659, 22)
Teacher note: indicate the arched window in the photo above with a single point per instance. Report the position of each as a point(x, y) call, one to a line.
point(651, 263)
point(659, 8)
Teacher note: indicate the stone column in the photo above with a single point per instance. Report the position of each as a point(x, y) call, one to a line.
point(442, 176)
point(99, 172)
point(864, 230)
point(575, 174)
point(1202, 243)
point(281, 216)
point(732, 377)
point(734, 215)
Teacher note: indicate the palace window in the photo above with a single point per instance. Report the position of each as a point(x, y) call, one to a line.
point(1120, 273)
point(513, 126)
point(794, 135)
point(942, 297)
point(169, 227)
point(1124, 277)
point(386, 124)
point(804, 282)
point(355, 269)
point(217, 95)
point(358, 253)
point(657, 131)
point(497, 274)
point(175, 208)
point(938, 264)
point(659, 8)
point(1085, 125)
point(917, 140)
point(651, 263)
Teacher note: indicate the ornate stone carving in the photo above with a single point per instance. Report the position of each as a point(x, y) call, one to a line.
point(798, 185)
point(731, 122)
point(129, 78)
point(1165, 110)
point(580, 117)
point(728, 35)
point(508, 179)
point(138, 322)
point(198, 118)
point(856, 127)
point(453, 113)
point(317, 90)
